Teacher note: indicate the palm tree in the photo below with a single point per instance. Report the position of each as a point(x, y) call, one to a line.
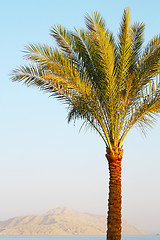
point(112, 85)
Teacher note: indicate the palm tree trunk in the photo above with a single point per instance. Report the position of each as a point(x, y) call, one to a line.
point(114, 201)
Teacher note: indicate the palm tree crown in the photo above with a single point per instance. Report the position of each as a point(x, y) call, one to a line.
point(110, 84)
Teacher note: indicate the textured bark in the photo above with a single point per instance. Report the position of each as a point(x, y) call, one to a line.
point(115, 198)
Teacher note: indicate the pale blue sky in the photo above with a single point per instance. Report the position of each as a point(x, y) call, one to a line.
point(44, 162)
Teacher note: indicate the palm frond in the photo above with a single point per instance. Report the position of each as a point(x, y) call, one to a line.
point(144, 110)
point(85, 51)
point(104, 44)
point(64, 39)
point(137, 43)
point(124, 49)
point(41, 54)
point(149, 63)
point(29, 75)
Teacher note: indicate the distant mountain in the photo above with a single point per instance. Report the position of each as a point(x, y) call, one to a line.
point(60, 221)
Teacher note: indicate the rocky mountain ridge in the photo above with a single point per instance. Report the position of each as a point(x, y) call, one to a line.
point(60, 221)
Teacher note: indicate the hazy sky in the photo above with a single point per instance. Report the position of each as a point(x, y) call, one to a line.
point(46, 163)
